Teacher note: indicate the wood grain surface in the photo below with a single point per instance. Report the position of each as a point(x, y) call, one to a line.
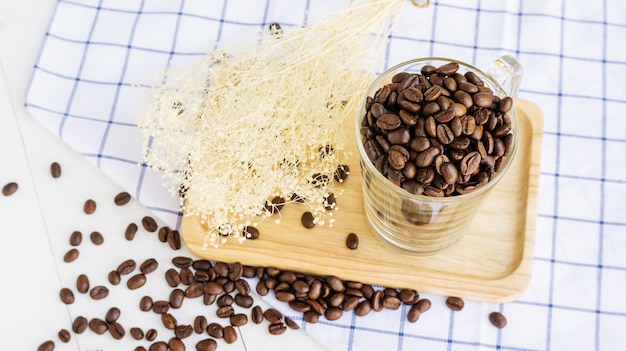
point(493, 262)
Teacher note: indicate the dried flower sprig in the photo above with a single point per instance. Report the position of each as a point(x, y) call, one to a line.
point(258, 121)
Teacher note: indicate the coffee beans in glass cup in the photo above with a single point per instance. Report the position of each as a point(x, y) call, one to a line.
point(434, 136)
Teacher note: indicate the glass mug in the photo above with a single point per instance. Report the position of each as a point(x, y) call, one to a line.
point(423, 225)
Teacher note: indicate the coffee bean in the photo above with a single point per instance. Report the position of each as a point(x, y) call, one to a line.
point(173, 240)
point(251, 233)
point(67, 296)
point(64, 335)
point(79, 325)
point(352, 241)
point(162, 234)
point(414, 314)
point(158, 346)
point(99, 292)
point(96, 238)
point(183, 331)
point(149, 224)
point(333, 313)
point(136, 333)
point(76, 238)
point(71, 255)
point(89, 207)
point(47, 345)
point(175, 344)
point(146, 303)
point(136, 281)
point(160, 306)
point(9, 189)
point(277, 328)
point(112, 315)
point(126, 267)
point(116, 330)
point(148, 266)
point(497, 319)
point(230, 334)
point(130, 232)
point(215, 330)
point(122, 198)
point(276, 31)
point(82, 284)
point(151, 334)
point(455, 303)
point(272, 315)
point(206, 345)
point(238, 319)
point(169, 321)
point(200, 324)
point(177, 297)
point(172, 277)
point(307, 220)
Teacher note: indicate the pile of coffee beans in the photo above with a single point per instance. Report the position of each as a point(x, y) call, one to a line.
point(225, 286)
point(438, 132)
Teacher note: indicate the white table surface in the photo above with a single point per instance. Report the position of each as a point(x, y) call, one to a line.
point(45, 208)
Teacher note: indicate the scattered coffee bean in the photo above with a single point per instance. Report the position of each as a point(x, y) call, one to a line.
point(64, 335)
point(414, 314)
point(126, 267)
point(158, 346)
point(251, 233)
point(230, 334)
point(136, 333)
point(497, 319)
point(79, 325)
point(116, 330)
point(99, 292)
point(291, 323)
point(136, 281)
point(9, 189)
point(162, 234)
point(277, 328)
point(308, 221)
point(174, 240)
point(175, 344)
point(149, 224)
point(71, 255)
point(151, 334)
point(206, 345)
point(146, 303)
point(148, 266)
point(160, 306)
point(114, 277)
point(55, 170)
point(122, 198)
point(67, 296)
point(215, 330)
point(341, 173)
point(76, 238)
point(98, 326)
point(352, 241)
point(238, 319)
point(89, 207)
point(200, 324)
point(423, 305)
point(130, 232)
point(455, 303)
point(96, 238)
point(47, 345)
point(82, 284)
point(183, 331)
point(112, 315)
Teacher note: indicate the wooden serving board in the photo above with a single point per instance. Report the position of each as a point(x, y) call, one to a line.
point(493, 262)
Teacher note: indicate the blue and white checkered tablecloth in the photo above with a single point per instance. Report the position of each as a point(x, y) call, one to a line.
point(99, 57)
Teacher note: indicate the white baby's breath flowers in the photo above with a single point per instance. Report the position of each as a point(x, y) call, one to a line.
point(253, 122)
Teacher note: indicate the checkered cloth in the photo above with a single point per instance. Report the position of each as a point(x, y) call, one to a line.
point(100, 56)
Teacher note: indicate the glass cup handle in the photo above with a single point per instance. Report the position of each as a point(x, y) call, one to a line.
point(507, 72)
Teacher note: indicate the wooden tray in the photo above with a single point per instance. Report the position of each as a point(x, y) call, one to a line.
point(493, 262)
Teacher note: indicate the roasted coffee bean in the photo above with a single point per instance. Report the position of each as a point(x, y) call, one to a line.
point(47, 345)
point(122, 198)
point(126, 267)
point(414, 314)
point(230, 334)
point(238, 319)
point(257, 315)
point(136, 333)
point(333, 313)
point(146, 303)
point(483, 99)
point(79, 325)
point(99, 292)
point(177, 296)
point(116, 330)
point(98, 326)
point(251, 233)
point(277, 328)
point(310, 317)
point(140, 348)
point(71, 255)
point(169, 321)
point(114, 277)
point(136, 281)
point(206, 345)
point(183, 331)
point(200, 324)
point(67, 296)
point(160, 306)
point(307, 220)
point(130, 232)
point(158, 346)
point(272, 315)
point(215, 330)
point(377, 300)
point(89, 207)
point(352, 241)
point(151, 334)
point(175, 344)
point(148, 266)
point(76, 238)
point(455, 303)
point(173, 240)
point(96, 238)
point(225, 311)
point(497, 319)
point(112, 315)
point(505, 104)
point(276, 31)
point(64, 335)
point(162, 234)
point(149, 224)
point(244, 301)
point(391, 302)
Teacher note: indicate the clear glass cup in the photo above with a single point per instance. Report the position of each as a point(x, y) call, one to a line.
point(418, 224)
